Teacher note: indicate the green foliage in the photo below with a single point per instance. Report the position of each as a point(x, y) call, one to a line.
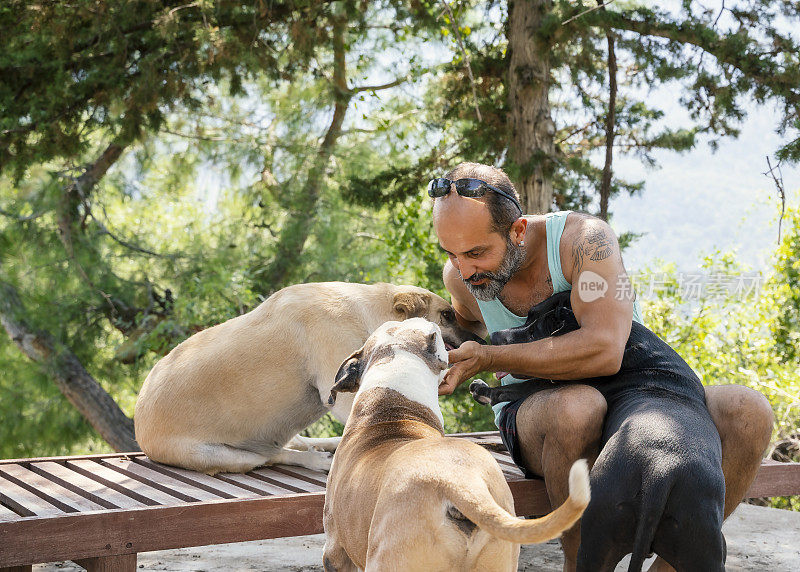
point(725, 336)
point(118, 67)
point(220, 108)
point(36, 417)
point(179, 234)
point(786, 328)
point(462, 414)
point(731, 337)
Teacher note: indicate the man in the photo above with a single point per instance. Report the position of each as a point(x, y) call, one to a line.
point(500, 265)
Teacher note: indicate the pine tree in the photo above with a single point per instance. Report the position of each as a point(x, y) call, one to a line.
point(542, 86)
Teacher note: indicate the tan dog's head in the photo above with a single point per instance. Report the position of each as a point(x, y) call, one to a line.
point(415, 302)
point(415, 339)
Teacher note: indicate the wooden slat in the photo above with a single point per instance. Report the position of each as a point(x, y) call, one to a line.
point(40, 486)
point(7, 514)
point(200, 480)
point(24, 502)
point(286, 480)
point(502, 457)
point(59, 536)
point(254, 485)
point(478, 434)
point(92, 489)
point(316, 477)
point(145, 494)
point(175, 487)
point(133, 455)
point(111, 532)
point(487, 440)
point(776, 479)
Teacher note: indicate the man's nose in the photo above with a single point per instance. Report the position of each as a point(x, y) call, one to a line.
point(465, 268)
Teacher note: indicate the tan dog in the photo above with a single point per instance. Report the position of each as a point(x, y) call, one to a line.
point(231, 397)
point(403, 497)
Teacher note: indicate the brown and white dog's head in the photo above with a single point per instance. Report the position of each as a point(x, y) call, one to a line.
point(409, 357)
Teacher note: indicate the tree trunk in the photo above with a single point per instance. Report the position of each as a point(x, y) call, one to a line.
point(532, 145)
point(605, 184)
point(72, 379)
point(296, 231)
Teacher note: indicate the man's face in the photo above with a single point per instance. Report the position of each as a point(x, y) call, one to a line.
point(490, 284)
point(485, 260)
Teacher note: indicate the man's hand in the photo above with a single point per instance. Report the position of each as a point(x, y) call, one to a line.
point(467, 360)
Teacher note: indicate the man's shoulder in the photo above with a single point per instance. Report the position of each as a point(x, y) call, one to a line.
point(584, 232)
point(577, 221)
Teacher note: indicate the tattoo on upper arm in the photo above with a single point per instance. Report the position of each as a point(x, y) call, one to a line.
point(593, 244)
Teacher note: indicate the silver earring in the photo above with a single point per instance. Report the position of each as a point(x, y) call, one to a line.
point(521, 243)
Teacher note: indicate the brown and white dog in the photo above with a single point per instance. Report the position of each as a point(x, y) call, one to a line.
point(403, 497)
point(231, 397)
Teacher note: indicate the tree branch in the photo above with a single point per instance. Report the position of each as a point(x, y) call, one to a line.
point(297, 229)
point(398, 81)
point(19, 218)
point(781, 194)
point(129, 245)
point(76, 193)
point(394, 83)
point(727, 50)
point(72, 379)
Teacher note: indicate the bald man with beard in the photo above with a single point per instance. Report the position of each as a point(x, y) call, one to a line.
point(501, 264)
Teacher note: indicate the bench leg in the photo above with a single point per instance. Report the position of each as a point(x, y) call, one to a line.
point(119, 563)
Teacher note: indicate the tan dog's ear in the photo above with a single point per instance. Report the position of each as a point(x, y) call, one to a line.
point(412, 304)
point(348, 378)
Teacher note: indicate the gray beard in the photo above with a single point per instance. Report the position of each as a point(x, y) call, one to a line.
point(511, 263)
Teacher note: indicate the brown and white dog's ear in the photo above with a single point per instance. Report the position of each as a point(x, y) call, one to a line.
point(348, 378)
point(432, 350)
point(412, 304)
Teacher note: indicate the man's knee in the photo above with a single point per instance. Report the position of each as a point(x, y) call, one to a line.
point(579, 411)
point(740, 413)
point(571, 413)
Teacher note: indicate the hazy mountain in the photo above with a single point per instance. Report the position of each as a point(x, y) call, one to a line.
point(703, 200)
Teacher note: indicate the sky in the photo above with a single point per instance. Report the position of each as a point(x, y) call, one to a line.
point(702, 200)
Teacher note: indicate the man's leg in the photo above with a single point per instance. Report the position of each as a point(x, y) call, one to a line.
point(744, 421)
point(555, 428)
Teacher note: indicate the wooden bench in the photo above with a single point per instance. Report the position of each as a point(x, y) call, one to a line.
point(101, 510)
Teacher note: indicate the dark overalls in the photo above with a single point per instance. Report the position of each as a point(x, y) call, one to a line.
point(657, 484)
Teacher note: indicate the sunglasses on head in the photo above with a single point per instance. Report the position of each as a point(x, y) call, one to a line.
point(467, 188)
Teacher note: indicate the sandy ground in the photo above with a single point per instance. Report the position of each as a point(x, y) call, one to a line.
point(758, 538)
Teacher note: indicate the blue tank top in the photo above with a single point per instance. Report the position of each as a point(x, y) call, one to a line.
point(497, 317)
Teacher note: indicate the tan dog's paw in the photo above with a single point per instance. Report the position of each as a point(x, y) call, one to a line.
point(314, 460)
point(321, 460)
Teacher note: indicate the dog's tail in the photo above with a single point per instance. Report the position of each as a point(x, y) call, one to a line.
point(481, 508)
point(653, 502)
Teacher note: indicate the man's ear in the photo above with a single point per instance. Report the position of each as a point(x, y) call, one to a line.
point(412, 304)
point(518, 230)
point(348, 378)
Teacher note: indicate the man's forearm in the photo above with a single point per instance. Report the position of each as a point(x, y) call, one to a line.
point(575, 355)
